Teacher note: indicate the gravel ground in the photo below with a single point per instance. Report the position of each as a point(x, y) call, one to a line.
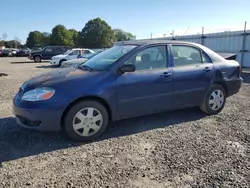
point(176, 149)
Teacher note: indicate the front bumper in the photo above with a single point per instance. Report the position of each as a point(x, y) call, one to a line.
point(233, 86)
point(42, 117)
point(54, 61)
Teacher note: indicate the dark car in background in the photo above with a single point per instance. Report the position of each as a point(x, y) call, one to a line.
point(128, 80)
point(47, 52)
point(9, 52)
point(24, 52)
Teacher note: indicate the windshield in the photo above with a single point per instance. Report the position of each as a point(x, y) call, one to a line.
point(67, 52)
point(103, 60)
point(94, 54)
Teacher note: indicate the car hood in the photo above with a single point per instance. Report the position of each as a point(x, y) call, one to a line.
point(59, 56)
point(54, 77)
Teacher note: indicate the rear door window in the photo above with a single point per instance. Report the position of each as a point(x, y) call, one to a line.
point(186, 55)
point(49, 50)
point(86, 52)
point(59, 50)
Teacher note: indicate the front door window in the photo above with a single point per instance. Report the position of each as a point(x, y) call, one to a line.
point(150, 58)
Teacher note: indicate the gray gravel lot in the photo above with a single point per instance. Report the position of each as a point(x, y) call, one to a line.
point(176, 149)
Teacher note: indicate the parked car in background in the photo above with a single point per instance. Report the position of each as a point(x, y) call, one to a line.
point(69, 55)
point(0, 53)
point(47, 53)
point(9, 52)
point(76, 62)
point(6, 52)
point(24, 52)
point(131, 79)
point(14, 52)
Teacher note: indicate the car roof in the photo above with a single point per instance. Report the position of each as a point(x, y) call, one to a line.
point(213, 55)
point(152, 41)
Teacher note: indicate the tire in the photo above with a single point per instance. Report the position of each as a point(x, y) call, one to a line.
point(86, 129)
point(210, 106)
point(37, 59)
point(60, 62)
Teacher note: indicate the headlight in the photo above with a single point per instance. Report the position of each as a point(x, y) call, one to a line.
point(38, 94)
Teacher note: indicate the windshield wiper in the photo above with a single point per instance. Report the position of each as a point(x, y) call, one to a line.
point(85, 67)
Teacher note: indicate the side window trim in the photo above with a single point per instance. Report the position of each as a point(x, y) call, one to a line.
point(167, 63)
point(207, 57)
point(186, 45)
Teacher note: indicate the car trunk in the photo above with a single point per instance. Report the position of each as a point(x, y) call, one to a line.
point(228, 56)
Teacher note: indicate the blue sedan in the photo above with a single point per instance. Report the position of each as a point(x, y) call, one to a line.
point(128, 80)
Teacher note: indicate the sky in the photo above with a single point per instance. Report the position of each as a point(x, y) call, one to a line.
point(140, 17)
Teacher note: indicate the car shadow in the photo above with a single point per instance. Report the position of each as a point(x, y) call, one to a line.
point(17, 142)
point(23, 62)
point(246, 77)
point(46, 67)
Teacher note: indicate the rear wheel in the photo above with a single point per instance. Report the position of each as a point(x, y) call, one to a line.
point(215, 100)
point(37, 59)
point(86, 120)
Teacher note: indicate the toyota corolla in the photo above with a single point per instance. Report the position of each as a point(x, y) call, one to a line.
point(128, 80)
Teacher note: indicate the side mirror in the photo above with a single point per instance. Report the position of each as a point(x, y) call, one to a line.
point(126, 68)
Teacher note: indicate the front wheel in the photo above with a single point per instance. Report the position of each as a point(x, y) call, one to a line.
point(86, 120)
point(37, 59)
point(215, 100)
point(60, 62)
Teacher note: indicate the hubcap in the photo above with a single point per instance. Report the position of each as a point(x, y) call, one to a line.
point(37, 58)
point(87, 121)
point(216, 99)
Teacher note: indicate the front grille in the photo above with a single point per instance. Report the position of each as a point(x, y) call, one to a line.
point(28, 122)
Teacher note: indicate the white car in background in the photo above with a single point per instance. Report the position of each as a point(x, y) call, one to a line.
point(76, 62)
point(69, 55)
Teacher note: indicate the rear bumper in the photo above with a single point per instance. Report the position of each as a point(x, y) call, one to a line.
point(233, 86)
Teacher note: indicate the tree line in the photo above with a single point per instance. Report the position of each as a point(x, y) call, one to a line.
point(11, 43)
point(96, 33)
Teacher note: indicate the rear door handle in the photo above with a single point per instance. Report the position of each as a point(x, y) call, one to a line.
point(207, 69)
point(166, 74)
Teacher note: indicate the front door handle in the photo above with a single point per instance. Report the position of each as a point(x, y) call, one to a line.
point(207, 69)
point(166, 74)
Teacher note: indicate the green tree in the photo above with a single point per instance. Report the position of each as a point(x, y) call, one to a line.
point(96, 34)
point(122, 35)
point(1, 42)
point(35, 38)
point(12, 44)
point(46, 39)
point(74, 36)
point(61, 36)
